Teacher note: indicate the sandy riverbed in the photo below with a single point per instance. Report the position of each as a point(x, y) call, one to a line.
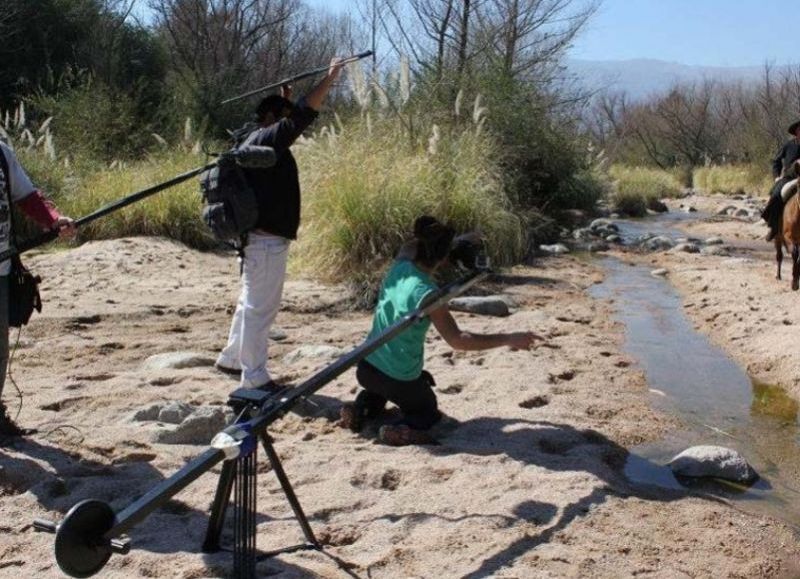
point(528, 483)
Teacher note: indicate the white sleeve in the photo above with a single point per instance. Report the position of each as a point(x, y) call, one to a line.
point(20, 183)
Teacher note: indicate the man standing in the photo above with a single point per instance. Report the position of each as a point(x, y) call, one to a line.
point(16, 186)
point(280, 123)
point(788, 154)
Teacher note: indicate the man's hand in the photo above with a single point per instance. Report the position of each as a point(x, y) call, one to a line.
point(286, 91)
point(523, 340)
point(66, 227)
point(335, 67)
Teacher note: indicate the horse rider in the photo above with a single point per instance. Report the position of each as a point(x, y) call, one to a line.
point(781, 165)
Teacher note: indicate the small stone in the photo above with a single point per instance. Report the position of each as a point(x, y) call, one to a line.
point(741, 213)
point(598, 246)
point(582, 234)
point(312, 352)
point(714, 250)
point(726, 210)
point(555, 249)
point(177, 361)
point(277, 334)
point(614, 238)
point(714, 241)
point(660, 272)
point(686, 248)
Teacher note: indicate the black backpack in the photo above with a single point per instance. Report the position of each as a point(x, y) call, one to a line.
point(230, 204)
point(23, 286)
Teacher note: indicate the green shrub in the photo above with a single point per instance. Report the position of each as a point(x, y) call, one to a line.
point(733, 179)
point(364, 184)
point(634, 188)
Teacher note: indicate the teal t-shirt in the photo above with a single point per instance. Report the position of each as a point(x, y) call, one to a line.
point(402, 292)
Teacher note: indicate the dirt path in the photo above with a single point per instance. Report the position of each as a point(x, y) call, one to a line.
point(527, 485)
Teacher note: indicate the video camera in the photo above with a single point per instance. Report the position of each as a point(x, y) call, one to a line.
point(468, 252)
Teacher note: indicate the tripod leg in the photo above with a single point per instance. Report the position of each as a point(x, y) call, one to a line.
point(287, 489)
point(220, 506)
point(244, 531)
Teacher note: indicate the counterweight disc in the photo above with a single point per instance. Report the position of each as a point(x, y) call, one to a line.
point(81, 550)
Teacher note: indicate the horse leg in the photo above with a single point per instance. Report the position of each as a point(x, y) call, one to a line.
point(795, 266)
point(778, 254)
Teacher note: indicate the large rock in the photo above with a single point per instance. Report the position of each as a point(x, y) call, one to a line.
point(314, 352)
point(555, 249)
point(147, 413)
point(657, 205)
point(713, 461)
point(177, 361)
point(485, 306)
point(658, 243)
point(603, 224)
point(197, 428)
point(174, 412)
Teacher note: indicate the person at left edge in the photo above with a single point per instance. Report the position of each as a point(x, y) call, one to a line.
point(277, 188)
point(16, 186)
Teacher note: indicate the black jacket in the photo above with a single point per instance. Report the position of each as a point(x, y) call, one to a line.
point(278, 188)
point(787, 155)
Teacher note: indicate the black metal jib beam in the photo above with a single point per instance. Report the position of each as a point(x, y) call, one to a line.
point(102, 538)
point(49, 236)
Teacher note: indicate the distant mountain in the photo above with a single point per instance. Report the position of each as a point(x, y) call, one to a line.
point(643, 77)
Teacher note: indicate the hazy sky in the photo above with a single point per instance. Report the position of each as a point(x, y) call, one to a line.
point(703, 32)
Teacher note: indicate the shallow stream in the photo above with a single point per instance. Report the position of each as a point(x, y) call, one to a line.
point(697, 381)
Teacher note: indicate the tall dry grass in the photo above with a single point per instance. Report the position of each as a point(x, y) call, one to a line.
point(733, 179)
point(365, 183)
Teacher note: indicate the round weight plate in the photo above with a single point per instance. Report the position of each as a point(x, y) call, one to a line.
point(81, 550)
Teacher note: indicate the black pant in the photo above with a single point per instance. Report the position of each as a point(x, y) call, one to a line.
point(774, 210)
point(415, 398)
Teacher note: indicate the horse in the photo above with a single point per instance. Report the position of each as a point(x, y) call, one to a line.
point(789, 235)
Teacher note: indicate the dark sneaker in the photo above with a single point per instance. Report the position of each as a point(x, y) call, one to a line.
point(351, 416)
point(403, 435)
point(272, 387)
point(8, 427)
point(228, 371)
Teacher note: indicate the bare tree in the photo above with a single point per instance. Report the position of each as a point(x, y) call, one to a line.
point(216, 44)
point(530, 36)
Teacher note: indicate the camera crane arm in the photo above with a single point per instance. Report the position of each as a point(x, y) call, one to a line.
point(90, 531)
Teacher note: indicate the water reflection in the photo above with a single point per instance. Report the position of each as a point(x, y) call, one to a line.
point(714, 397)
point(772, 401)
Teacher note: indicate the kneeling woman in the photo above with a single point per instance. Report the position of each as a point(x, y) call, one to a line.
point(394, 371)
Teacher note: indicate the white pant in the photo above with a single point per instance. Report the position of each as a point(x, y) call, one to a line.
point(262, 286)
